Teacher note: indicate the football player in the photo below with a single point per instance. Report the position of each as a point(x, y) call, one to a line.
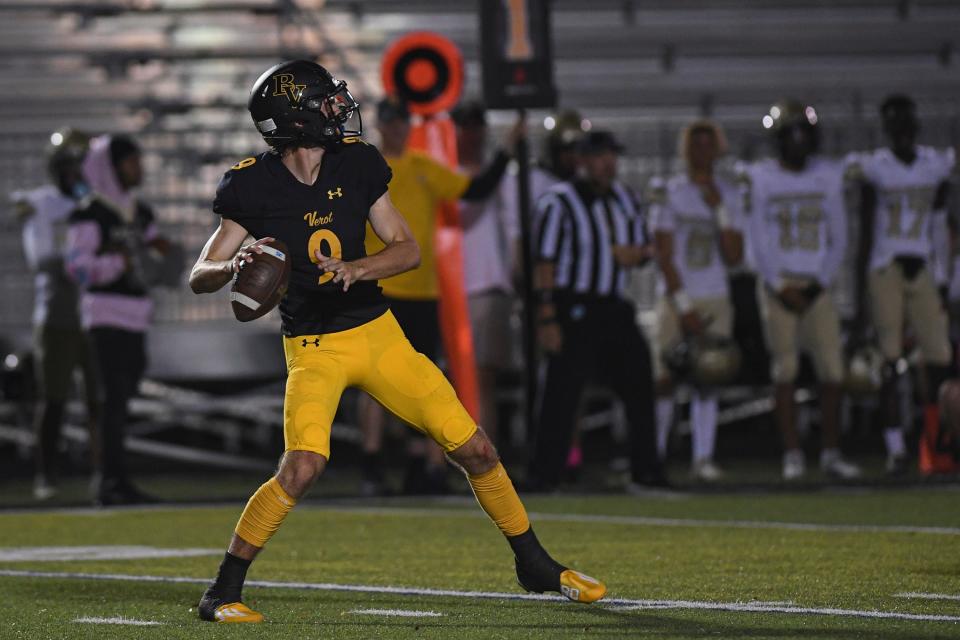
point(696, 221)
point(315, 190)
point(559, 161)
point(901, 266)
point(60, 342)
point(559, 158)
point(798, 233)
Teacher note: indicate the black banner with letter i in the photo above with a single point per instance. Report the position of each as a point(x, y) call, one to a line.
point(517, 54)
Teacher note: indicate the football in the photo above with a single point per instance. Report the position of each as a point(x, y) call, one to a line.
point(261, 284)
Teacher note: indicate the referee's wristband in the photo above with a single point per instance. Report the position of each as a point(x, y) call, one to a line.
point(682, 301)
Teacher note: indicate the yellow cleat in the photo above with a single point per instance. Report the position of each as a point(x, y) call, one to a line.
point(236, 612)
point(580, 587)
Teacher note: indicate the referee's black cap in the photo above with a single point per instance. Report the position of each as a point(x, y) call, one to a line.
point(598, 142)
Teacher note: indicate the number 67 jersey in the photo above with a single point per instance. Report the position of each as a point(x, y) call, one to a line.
point(907, 197)
point(329, 216)
point(796, 221)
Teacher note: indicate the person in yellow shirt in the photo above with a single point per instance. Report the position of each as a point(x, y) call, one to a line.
point(419, 185)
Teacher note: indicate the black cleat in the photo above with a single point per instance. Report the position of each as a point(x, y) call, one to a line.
point(549, 575)
point(214, 608)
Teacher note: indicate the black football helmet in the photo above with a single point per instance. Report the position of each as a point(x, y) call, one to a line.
point(67, 146)
point(300, 103)
point(705, 361)
point(65, 154)
point(788, 114)
point(795, 128)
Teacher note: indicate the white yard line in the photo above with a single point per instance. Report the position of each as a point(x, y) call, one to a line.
point(759, 607)
point(927, 596)
point(128, 621)
point(640, 521)
point(397, 613)
point(97, 552)
point(619, 604)
point(645, 521)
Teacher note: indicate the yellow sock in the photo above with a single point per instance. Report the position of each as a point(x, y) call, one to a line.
point(500, 501)
point(264, 513)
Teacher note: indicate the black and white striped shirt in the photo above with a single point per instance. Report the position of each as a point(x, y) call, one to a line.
point(577, 230)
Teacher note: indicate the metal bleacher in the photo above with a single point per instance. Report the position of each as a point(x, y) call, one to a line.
point(176, 73)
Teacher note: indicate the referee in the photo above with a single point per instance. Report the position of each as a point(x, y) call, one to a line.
point(589, 233)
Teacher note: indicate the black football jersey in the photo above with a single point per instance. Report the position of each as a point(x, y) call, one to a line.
point(331, 215)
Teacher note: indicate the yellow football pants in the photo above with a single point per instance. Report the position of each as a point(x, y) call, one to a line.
point(377, 358)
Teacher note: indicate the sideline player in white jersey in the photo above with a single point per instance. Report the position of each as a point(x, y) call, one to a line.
point(902, 260)
point(798, 234)
point(696, 219)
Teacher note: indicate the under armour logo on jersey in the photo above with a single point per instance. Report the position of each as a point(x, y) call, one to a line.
point(334, 193)
point(315, 342)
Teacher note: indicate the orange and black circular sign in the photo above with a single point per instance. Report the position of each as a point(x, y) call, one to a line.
point(425, 70)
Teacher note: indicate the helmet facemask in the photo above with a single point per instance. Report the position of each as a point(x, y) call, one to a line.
point(329, 116)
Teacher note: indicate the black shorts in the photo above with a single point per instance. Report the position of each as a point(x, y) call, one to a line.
point(420, 321)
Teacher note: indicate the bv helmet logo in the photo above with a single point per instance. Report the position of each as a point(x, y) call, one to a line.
point(285, 84)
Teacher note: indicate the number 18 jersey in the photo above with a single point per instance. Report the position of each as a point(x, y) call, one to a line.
point(330, 215)
point(797, 220)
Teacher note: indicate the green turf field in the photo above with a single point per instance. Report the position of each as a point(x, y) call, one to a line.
point(678, 566)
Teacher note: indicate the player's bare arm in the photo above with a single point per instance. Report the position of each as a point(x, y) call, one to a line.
point(632, 255)
point(731, 247)
point(222, 257)
point(663, 241)
point(400, 254)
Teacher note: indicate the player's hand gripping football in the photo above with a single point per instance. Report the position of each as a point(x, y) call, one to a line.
point(345, 272)
point(245, 255)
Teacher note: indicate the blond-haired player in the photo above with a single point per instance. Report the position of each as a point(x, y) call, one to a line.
point(696, 219)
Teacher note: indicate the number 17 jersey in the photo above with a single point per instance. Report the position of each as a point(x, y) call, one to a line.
point(330, 215)
point(906, 195)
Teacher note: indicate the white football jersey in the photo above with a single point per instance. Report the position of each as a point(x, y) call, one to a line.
point(903, 219)
point(44, 238)
point(796, 222)
point(678, 208)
